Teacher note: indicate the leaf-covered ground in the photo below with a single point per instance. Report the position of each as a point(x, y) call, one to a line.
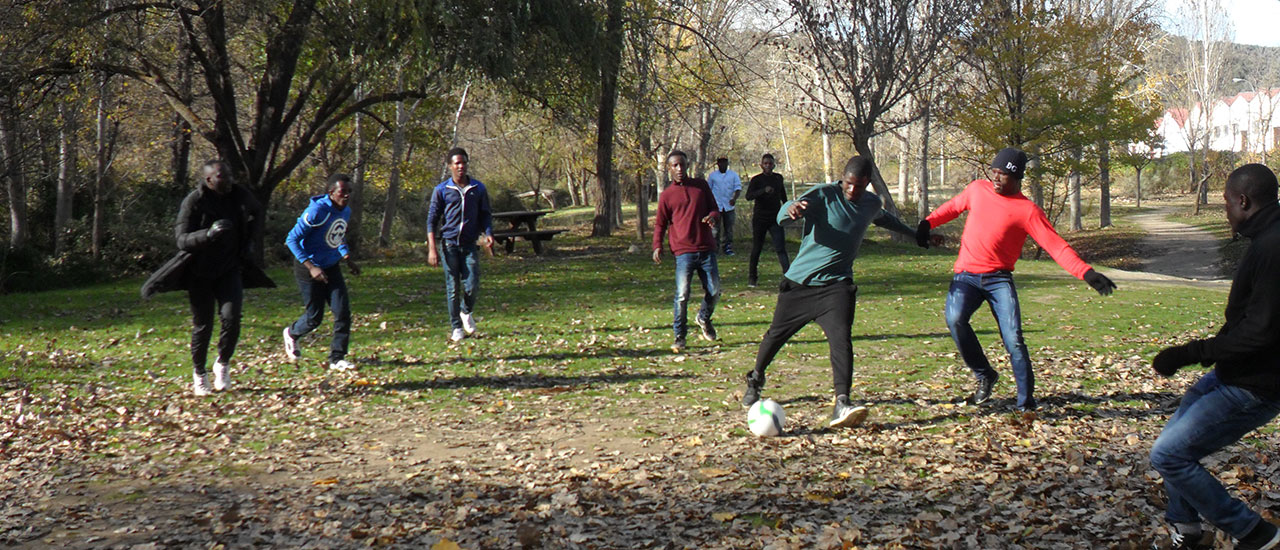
point(569, 423)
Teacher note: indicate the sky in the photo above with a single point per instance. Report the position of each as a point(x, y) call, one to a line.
point(1254, 21)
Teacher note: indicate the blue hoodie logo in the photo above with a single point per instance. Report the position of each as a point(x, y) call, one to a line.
point(337, 233)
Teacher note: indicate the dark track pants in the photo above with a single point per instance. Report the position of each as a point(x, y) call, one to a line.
point(832, 306)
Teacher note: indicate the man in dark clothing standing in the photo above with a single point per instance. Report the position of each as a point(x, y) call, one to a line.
point(217, 225)
point(319, 242)
point(1242, 392)
point(768, 192)
point(689, 209)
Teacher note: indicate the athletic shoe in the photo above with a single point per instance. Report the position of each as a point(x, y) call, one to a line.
point(728, 250)
point(1202, 540)
point(468, 323)
point(751, 284)
point(1264, 536)
point(457, 335)
point(291, 351)
point(845, 414)
point(341, 365)
point(982, 393)
point(708, 332)
point(752, 393)
point(200, 384)
point(678, 345)
point(221, 376)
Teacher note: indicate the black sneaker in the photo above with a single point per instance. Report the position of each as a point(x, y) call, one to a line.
point(752, 284)
point(982, 393)
point(845, 414)
point(752, 393)
point(1264, 536)
point(678, 345)
point(708, 332)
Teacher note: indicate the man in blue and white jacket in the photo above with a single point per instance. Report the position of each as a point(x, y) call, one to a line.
point(319, 242)
point(459, 215)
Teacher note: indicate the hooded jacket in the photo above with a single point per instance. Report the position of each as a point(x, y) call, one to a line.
point(320, 235)
point(460, 214)
point(201, 258)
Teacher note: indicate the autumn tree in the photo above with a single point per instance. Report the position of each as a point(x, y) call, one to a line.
point(871, 56)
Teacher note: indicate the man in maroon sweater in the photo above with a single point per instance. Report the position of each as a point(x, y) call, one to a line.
point(689, 210)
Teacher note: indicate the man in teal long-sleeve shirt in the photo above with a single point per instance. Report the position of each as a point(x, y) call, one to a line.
point(819, 284)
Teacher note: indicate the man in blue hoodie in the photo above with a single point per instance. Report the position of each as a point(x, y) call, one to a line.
point(319, 242)
point(459, 215)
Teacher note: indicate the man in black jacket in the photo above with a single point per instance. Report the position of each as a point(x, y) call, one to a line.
point(217, 226)
point(767, 190)
point(1241, 393)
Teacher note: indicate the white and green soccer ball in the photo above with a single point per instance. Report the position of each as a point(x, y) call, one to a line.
point(766, 419)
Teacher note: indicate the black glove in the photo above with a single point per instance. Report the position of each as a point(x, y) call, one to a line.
point(1099, 282)
point(220, 228)
point(922, 234)
point(1170, 359)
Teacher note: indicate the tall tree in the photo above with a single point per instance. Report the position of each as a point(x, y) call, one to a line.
point(266, 110)
point(873, 55)
point(1047, 82)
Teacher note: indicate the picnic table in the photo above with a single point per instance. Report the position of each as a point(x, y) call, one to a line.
point(522, 224)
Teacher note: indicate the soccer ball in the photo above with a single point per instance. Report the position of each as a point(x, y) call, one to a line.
point(766, 419)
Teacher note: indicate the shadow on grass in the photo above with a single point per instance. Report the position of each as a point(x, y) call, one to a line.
point(521, 382)
point(1051, 408)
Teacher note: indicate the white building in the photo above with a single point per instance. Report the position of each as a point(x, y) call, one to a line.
point(1245, 122)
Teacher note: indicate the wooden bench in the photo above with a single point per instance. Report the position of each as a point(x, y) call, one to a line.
point(507, 238)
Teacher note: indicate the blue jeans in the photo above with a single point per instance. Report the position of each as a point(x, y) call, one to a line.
point(704, 264)
point(461, 269)
point(316, 295)
point(968, 292)
point(1212, 415)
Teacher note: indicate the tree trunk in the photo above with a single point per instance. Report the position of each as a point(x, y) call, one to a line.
point(105, 145)
point(903, 167)
point(922, 190)
point(1073, 190)
point(707, 116)
point(861, 144)
point(66, 177)
point(354, 236)
point(828, 177)
point(1138, 185)
point(1104, 184)
point(180, 148)
point(393, 178)
point(19, 232)
point(606, 184)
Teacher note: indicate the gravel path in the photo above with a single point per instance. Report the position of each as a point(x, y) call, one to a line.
point(1178, 249)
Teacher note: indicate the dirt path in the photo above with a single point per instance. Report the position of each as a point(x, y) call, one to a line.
point(1177, 249)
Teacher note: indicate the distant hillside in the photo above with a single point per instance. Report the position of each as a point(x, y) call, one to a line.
point(1258, 64)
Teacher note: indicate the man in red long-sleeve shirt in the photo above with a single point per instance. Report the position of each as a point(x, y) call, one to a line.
point(1000, 219)
point(689, 209)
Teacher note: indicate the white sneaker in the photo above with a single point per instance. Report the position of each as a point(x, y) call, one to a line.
point(221, 376)
point(200, 384)
point(469, 323)
point(341, 365)
point(457, 335)
point(291, 346)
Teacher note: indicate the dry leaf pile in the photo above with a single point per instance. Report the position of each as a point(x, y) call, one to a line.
point(341, 461)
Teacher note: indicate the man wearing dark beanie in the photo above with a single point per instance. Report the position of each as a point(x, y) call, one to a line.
point(1000, 219)
point(1241, 393)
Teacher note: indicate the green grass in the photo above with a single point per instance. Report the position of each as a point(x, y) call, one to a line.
point(584, 324)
